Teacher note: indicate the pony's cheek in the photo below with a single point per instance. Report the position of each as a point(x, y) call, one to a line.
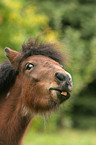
point(39, 98)
point(36, 99)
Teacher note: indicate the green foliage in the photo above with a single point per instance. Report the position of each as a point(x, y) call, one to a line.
point(85, 106)
point(18, 22)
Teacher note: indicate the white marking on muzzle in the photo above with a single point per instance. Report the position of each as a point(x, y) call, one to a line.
point(69, 75)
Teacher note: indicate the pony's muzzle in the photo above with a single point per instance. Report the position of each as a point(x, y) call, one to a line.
point(65, 81)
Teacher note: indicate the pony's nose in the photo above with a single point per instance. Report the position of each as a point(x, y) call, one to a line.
point(65, 81)
point(59, 76)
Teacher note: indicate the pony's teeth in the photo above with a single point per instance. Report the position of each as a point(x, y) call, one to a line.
point(64, 93)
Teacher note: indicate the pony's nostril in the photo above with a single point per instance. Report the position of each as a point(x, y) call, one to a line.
point(60, 76)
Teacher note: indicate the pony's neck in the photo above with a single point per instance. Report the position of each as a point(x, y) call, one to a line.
point(13, 122)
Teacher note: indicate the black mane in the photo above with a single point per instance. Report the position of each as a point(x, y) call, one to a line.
point(7, 77)
point(32, 47)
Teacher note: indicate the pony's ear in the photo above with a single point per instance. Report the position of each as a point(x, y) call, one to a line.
point(12, 56)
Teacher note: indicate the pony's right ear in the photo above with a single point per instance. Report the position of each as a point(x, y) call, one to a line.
point(12, 55)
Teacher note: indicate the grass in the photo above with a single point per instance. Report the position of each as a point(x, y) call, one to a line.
point(66, 137)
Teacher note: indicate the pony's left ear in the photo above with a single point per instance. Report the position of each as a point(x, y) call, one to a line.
point(12, 56)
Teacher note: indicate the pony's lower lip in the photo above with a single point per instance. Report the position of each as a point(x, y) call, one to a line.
point(63, 97)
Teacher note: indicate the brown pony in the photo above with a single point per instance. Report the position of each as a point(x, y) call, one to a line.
point(32, 82)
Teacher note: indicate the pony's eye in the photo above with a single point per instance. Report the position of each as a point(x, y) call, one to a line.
point(29, 66)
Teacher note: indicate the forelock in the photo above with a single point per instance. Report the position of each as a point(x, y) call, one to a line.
point(33, 47)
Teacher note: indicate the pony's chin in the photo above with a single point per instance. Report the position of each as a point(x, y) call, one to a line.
point(50, 103)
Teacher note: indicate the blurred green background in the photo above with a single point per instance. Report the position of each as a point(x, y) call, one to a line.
point(73, 24)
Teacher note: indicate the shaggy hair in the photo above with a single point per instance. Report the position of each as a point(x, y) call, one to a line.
point(32, 47)
point(7, 77)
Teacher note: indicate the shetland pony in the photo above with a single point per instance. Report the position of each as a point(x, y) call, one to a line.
point(32, 82)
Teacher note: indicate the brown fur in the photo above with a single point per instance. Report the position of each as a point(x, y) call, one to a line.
point(29, 95)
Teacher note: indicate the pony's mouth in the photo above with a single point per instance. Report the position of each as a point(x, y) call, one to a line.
point(62, 95)
point(59, 95)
